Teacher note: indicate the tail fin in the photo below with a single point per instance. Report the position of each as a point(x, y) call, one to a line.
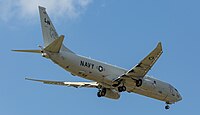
point(48, 30)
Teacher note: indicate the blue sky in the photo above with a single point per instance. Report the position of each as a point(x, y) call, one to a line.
point(118, 32)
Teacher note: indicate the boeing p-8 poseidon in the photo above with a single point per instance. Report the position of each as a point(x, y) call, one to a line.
point(108, 79)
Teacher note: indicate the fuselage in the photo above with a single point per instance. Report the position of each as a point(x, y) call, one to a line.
point(104, 74)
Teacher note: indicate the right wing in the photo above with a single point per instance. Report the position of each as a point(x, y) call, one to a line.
point(69, 84)
point(141, 69)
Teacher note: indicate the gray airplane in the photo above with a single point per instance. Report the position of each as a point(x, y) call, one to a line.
point(110, 80)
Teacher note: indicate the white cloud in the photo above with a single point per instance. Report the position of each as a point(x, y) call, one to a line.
point(28, 9)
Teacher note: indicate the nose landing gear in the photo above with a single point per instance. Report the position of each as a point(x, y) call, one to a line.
point(167, 107)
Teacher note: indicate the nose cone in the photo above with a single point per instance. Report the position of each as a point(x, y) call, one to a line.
point(179, 98)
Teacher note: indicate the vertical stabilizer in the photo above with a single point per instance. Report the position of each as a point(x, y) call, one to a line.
point(48, 30)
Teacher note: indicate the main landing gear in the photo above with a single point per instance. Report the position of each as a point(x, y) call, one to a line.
point(101, 92)
point(122, 88)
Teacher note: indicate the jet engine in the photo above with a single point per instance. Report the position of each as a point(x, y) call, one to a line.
point(149, 84)
point(112, 94)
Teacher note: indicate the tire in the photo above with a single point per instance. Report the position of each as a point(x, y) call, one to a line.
point(99, 94)
point(124, 88)
point(120, 89)
point(103, 92)
point(167, 107)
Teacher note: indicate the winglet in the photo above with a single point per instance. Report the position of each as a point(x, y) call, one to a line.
point(159, 46)
point(55, 46)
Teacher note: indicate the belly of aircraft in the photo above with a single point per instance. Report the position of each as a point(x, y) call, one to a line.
point(148, 93)
point(92, 75)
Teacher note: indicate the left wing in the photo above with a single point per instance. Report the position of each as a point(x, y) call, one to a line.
point(69, 84)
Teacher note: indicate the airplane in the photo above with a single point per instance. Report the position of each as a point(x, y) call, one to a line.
point(110, 80)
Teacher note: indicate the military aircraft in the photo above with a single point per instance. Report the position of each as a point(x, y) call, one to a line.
point(110, 80)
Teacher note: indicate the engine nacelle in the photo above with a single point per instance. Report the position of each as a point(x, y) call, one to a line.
point(112, 94)
point(149, 84)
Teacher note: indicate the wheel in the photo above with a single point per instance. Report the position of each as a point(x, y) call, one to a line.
point(120, 89)
point(167, 107)
point(103, 92)
point(138, 82)
point(124, 88)
point(99, 94)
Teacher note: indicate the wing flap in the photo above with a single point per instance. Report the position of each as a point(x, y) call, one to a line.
point(69, 84)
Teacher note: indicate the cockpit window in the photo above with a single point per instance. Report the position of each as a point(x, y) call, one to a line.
point(176, 89)
point(178, 95)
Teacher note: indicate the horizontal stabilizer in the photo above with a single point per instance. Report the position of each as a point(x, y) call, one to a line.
point(55, 46)
point(29, 51)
